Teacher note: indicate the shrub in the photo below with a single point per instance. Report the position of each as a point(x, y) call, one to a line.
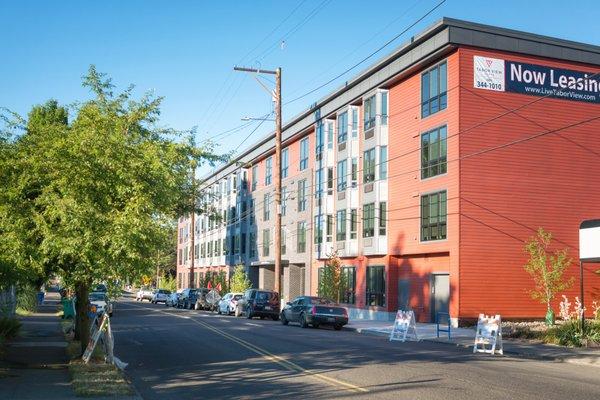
point(569, 334)
point(26, 298)
point(9, 327)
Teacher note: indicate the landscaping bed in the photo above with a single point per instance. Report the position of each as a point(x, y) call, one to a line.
point(564, 333)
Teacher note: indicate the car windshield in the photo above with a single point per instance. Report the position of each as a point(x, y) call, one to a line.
point(237, 297)
point(264, 296)
point(97, 297)
point(320, 300)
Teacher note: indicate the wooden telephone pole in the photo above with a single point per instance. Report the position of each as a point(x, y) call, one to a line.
point(276, 95)
point(192, 281)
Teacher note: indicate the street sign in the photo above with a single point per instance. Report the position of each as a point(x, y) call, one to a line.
point(404, 327)
point(589, 241)
point(488, 337)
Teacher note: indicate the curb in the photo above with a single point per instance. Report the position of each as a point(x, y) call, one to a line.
point(585, 360)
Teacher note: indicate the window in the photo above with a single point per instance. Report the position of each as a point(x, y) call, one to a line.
point(283, 201)
point(302, 195)
point(369, 166)
point(217, 248)
point(283, 247)
point(244, 213)
point(232, 241)
point(251, 211)
point(355, 122)
point(243, 244)
point(266, 206)
point(353, 223)
point(376, 285)
point(266, 242)
point(320, 138)
point(252, 245)
point(318, 230)
point(319, 182)
point(340, 226)
point(369, 113)
point(196, 251)
point(254, 177)
point(369, 220)
point(329, 230)
point(341, 175)
point(382, 218)
point(342, 127)
point(285, 161)
point(225, 246)
point(433, 216)
point(329, 135)
point(301, 236)
point(349, 295)
point(268, 170)
point(433, 153)
point(236, 244)
point(329, 180)
point(180, 257)
point(303, 154)
point(384, 108)
point(433, 90)
point(383, 167)
point(354, 171)
point(209, 251)
point(202, 251)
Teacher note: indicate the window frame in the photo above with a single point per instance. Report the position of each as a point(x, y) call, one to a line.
point(432, 166)
point(440, 98)
point(268, 171)
point(369, 165)
point(442, 218)
point(340, 226)
point(304, 146)
point(368, 220)
point(285, 163)
point(376, 294)
point(342, 127)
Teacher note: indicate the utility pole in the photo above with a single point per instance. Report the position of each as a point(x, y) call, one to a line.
point(192, 281)
point(276, 95)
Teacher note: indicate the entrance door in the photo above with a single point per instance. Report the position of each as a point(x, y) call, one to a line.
point(440, 294)
point(403, 294)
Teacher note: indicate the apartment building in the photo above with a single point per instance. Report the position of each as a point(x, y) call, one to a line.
point(426, 173)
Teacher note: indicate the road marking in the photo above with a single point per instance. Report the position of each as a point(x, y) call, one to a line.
point(289, 365)
point(251, 324)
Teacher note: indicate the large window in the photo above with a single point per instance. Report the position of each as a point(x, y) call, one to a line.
point(434, 85)
point(329, 230)
point(433, 152)
point(383, 165)
point(341, 175)
point(243, 244)
point(349, 295)
point(303, 154)
point(376, 285)
point(369, 113)
point(433, 216)
point(330, 180)
point(340, 226)
point(252, 244)
point(285, 162)
point(266, 242)
point(353, 223)
point(329, 126)
point(354, 122)
point(369, 220)
point(318, 228)
point(268, 170)
point(382, 218)
point(354, 171)
point(369, 166)
point(320, 135)
point(266, 206)
point(302, 195)
point(301, 237)
point(284, 195)
point(342, 127)
point(384, 108)
point(319, 182)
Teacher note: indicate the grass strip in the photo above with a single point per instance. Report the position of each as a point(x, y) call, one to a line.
point(90, 380)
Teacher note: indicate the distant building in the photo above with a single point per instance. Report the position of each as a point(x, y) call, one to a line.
point(427, 173)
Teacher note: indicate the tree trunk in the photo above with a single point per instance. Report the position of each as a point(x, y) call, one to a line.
point(82, 324)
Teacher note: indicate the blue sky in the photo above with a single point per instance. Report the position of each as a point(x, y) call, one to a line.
point(185, 50)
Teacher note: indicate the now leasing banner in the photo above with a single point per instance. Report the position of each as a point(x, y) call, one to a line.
point(535, 80)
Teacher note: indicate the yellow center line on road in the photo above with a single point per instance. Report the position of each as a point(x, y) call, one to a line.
point(289, 365)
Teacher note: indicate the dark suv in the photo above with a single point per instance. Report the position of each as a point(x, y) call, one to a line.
point(187, 299)
point(261, 303)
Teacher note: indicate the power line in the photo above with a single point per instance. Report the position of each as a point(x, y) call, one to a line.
point(370, 55)
point(250, 134)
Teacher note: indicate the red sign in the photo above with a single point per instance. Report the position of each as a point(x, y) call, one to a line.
point(209, 286)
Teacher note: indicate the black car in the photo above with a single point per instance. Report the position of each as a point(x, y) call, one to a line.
point(315, 311)
point(187, 299)
point(261, 303)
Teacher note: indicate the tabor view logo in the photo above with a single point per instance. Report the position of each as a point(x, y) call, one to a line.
point(489, 73)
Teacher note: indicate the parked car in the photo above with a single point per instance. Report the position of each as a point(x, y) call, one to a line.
point(201, 303)
point(101, 287)
point(100, 303)
point(228, 303)
point(160, 296)
point(261, 303)
point(172, 300)
point(187, 298)
point(315, 311)
point(144, 294)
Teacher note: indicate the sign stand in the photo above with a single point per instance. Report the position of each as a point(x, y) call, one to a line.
point(489, 333)
point(404, 327)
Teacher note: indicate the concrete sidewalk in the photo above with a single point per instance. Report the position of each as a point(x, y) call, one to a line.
point(464, 337)
point(36, 364)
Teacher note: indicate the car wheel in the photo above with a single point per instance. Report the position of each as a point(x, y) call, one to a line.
point(283, 319)
point(185, 305)
point(275, 317)
point(315, 326)
point(262, 317)
point(249, 313)
point(303, 321)
point(219, 311)
point(337, 327)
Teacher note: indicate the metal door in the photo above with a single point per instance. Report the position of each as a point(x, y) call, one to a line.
point(440, 294)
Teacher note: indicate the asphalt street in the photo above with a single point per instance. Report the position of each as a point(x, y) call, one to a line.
point(184, 354)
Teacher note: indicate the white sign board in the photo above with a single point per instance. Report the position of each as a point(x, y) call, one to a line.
point(488, 337)
point(488, 73)
point(589, 240)
point(404, 327)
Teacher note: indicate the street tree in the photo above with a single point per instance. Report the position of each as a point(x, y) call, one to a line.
point(239, 282)
point(332, 282)
point(547, 270)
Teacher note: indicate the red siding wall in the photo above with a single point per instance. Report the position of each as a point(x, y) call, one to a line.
point(505, 195)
